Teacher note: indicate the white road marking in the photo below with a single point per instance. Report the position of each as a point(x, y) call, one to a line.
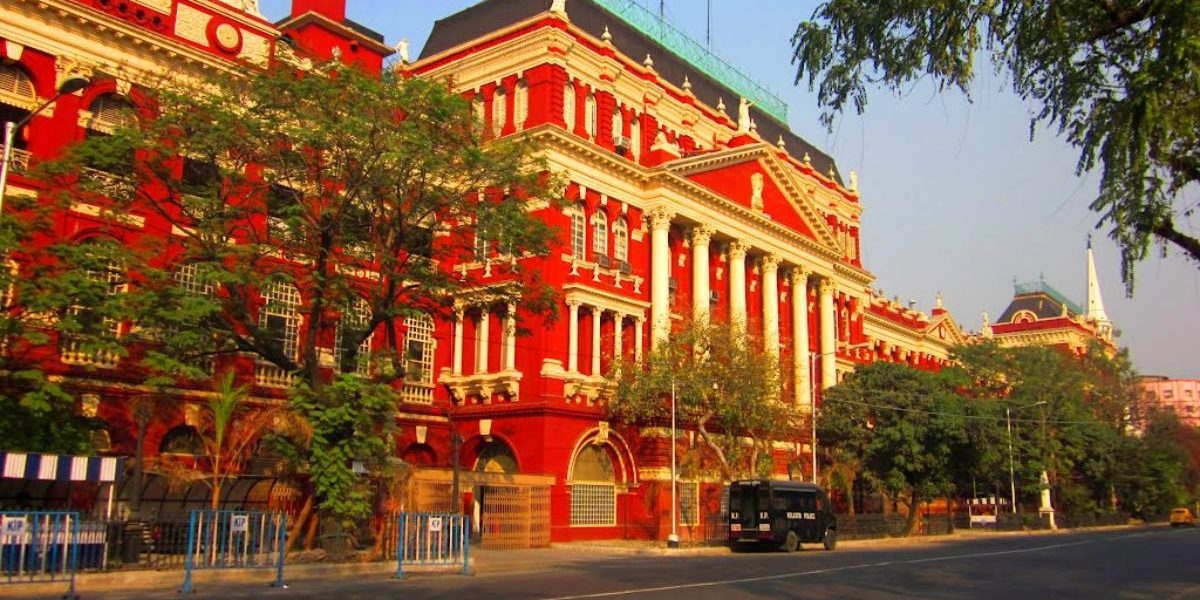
point(703, 584)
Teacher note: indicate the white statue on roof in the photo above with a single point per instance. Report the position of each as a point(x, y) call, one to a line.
point(743, 122)
point(402, 50)
point(558, 6)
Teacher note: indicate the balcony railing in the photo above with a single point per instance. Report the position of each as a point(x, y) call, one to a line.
point(73, 353)
point(18, 160)
point(268, 375)
point(417, 393)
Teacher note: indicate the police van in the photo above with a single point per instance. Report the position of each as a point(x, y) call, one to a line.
point(780, 513)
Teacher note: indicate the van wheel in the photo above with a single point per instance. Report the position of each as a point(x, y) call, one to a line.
point(830, 539)
point(792, 543)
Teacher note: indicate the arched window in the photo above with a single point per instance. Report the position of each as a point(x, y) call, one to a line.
point(617, 124)
point(599, 233)
point(418, 349)
point(16, 87)
point(569, 104)
point(578, 231)
point(184, 440)
point(621, 240)
point(635, 137)
point(280, 318)
point(499, 110)
point(110, 112)
point(521, 104)
point(354, 322)
point(496, 457)
point(593, 488)
point(590, 116)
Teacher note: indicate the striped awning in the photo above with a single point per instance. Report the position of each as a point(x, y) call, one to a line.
point(59, 467)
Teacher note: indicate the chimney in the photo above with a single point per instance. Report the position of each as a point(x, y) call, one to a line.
point(334, 10)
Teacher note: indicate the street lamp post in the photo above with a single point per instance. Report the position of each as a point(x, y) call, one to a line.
point(1012, 482)
point(72, 84)
point(673, 539)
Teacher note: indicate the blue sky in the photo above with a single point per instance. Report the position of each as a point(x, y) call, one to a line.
point(957, 198)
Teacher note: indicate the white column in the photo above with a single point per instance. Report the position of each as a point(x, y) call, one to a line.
point(597, 312)
point(510, 338)
point(573, 336)
point(737, 283)
point(770, 300)
point(639, 339)
point(701, 236)
point(458, 341)
point(618, 321)
point(481, 354)
point(800, 338)
point(660, 274)
point(828, 333)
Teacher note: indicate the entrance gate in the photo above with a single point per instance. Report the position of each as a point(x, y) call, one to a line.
point(515, 516)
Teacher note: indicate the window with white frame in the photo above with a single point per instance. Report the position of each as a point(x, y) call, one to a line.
point(689, 502)
point(621, 239)
point(499, 110)
point(110, 112)
point(599, 233)
point(593, 488)
point(418, 349)
point(354, 322)
point(280, 318)
point(590, 115)
point(578, 231)
point(187, 277)
point(521, 104)
point(569, 104)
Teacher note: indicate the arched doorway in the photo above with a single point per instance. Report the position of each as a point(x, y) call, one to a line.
point(593, 488)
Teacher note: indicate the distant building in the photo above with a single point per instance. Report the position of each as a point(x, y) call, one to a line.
point(1180, 396)
point(1040, 315)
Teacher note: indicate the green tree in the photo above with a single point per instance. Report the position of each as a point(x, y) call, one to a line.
point(228, 429)
point(1118, 79)
point(294, 211)
point(906, 424)
point(725, 387)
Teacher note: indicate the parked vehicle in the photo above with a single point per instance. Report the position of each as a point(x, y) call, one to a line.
point(781, 513)
point(1182, 516)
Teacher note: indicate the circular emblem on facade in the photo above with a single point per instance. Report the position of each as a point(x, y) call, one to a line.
point(225, 37)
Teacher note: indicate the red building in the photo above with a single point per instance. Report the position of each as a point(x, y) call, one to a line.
point(688, 196)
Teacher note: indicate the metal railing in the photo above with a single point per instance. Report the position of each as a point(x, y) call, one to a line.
point(39, 547)
point(432, 540)
point(226, 539)
point(18, 161)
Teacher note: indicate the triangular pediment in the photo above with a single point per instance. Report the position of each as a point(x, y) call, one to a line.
point(755, 178)
point(943, 328)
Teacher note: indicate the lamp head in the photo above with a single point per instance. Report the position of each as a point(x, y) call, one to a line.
point(73, 83)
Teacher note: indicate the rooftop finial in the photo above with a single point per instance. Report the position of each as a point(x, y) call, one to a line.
point(559, 7)
point(721, 105)
point(606, 36)
point(687, 84)
point(648, 63)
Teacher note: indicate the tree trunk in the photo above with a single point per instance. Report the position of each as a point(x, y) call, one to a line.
point(311, 536)
point(298, 524)
point(914, 511)
point(700, 427)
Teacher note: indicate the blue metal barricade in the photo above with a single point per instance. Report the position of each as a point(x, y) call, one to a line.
point(433, 540)
point(39, 547)
point(227, 539)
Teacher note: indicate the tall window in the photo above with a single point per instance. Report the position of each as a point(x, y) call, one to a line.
point(635, 137)
point(599, 233)
point(521, 104)
point(93, 322)
point(354, 322)
point(418, 349)
point(621, 240)
point(280, 318)
point(590, 115)
point(578, 231)
point(190, 278)
point(481, 243)
point(593, 489)
point(499, 110)
point(569, 104)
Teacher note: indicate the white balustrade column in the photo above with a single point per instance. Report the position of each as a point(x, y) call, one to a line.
point(800, 362)
point(573, 337)
point(701, 236)
point(597, 312)
point(660, 274)
point(481, 355)
point(770, 300)
point(828, 332)
point(458, 341)
point(510, 338)
point(737, 283)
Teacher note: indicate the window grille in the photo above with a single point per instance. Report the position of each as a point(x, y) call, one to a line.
point(578, 234)
point(14, 80)
point(689, 502)
point(280, 318)
point(499, 110)
point(569, 104)
point(593, 504)
point(621, 240)
point(72, 350)
point(187, 278)
point(354, 321)
point(418, 349)
point(599, 233)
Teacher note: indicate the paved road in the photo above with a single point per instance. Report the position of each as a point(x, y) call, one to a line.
point(1157, 563)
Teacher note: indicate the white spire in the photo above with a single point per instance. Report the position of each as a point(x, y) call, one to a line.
point(1095, 304)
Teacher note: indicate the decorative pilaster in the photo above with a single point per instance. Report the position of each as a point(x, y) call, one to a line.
point(660, 274)
point(828, 335)
point(573, 336)
point(770, 300)
point(701, 236)
point(737, 283)
point(800, 356)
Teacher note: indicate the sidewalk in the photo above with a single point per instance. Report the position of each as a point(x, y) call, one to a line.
point(486, 562)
